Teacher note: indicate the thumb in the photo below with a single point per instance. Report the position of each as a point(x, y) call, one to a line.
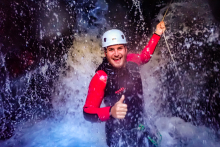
point(122, 99)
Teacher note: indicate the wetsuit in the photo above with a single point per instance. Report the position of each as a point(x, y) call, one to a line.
point(109, 84)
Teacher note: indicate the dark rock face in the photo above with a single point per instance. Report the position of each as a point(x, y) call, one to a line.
point(135, 18)
point(196, 54)
point(34, 30)
point(214, 4)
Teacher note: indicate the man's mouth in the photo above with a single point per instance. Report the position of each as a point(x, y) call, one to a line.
point(117, 59)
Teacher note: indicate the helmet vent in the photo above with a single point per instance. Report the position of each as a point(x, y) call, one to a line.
point(104, 39)
point(122, 36)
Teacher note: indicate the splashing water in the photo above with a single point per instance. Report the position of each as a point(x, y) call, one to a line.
point(56, 89)
point(193, 38)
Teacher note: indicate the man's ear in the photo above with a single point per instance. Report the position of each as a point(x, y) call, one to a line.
point(126, 49)
point(105, 51)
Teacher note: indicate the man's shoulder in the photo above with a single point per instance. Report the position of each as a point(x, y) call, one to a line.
point(101, 75)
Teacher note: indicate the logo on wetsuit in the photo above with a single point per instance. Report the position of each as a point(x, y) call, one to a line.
point(120, 90)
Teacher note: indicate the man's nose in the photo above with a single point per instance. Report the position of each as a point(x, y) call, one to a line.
point(116, 52)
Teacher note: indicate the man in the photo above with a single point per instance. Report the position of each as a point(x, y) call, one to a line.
point(118, 82)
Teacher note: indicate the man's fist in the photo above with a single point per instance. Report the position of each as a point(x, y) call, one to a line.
point(119, 110)
point(160, 28)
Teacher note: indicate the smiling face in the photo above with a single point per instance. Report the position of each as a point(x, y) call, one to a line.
point(116, 55)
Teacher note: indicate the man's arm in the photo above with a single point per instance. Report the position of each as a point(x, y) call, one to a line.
point(147, 52)
point(91, 109)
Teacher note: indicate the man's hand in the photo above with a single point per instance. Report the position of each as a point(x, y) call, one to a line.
point(160, 28)
point(119, 110)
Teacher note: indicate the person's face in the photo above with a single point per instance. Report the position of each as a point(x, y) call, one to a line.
point(116, 55)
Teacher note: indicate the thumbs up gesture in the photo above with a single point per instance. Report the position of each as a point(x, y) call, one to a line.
point(119, 110)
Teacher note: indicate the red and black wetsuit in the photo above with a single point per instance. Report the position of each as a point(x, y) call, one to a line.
point(110, 84)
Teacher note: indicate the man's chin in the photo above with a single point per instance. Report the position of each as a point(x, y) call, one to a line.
point(117, 65)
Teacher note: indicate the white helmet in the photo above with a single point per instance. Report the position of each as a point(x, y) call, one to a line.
point(113, 37)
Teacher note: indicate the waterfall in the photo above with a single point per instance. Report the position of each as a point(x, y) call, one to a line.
point(50, 49)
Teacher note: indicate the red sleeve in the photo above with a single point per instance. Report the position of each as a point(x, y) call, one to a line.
point(146, 53)
point(95, 96)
